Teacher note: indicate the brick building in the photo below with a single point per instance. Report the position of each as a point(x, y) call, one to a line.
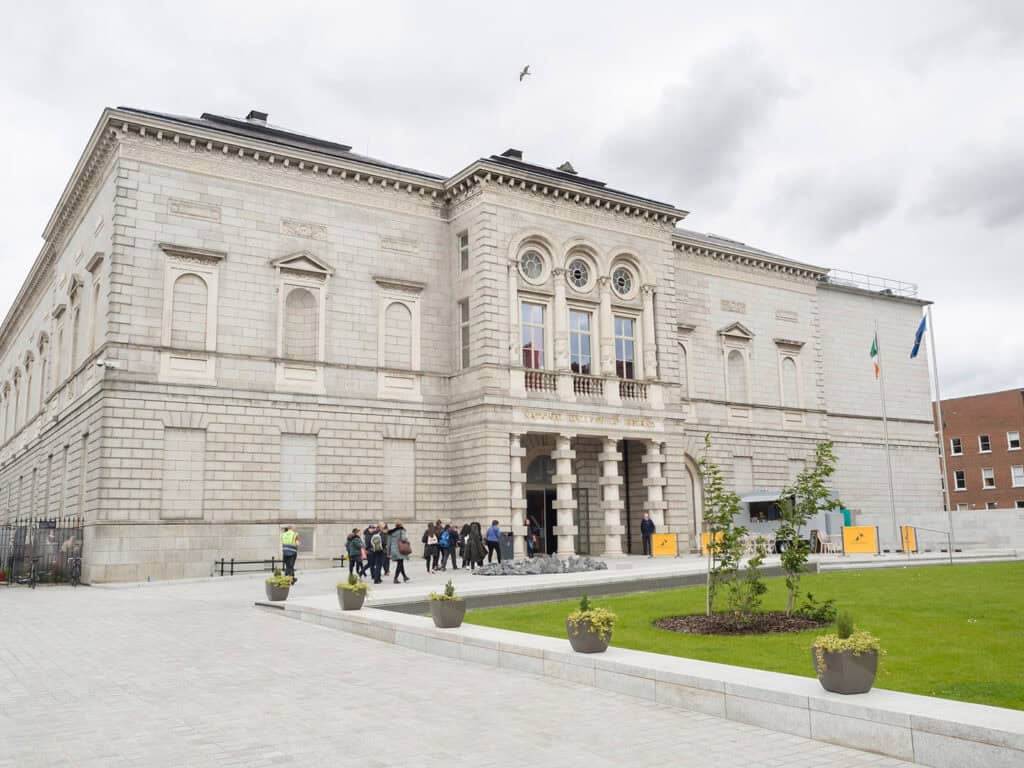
point(984, 460)
point(231, 326)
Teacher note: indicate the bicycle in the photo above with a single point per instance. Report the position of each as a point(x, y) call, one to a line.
point(33, 575)
point(75, 571)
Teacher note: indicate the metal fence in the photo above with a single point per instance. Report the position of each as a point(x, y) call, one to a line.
point(49, 541)
point(226, 567)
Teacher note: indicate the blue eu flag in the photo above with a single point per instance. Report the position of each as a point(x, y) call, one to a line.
point(917, 337)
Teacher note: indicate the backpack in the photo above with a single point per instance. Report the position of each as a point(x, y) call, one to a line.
point(376, 542)
point(444, 539)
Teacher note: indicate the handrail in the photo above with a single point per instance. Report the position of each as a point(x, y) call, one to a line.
point(947, 534)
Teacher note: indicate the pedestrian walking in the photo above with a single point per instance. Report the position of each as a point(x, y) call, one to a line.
point(449, 544)
point(463, 538)
point(290, 543)
point(430, 547)
point(493, 540)
point(400, 548)
point(354, 549)
point(646, 531)
point(475, 546)
point(386, 533)
point(374, 541)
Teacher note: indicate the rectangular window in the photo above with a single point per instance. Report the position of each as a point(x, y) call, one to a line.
point(1017, 475)
point(1019, 503)
point(1013, 441)
point(463, 251)
point(625, 347)
point(579, 341)
point(956, 448)
point(984, 444)
point(991, 505)
point(464, 332)
point(988, 477)
point(962, 507)
point(533, 335)
point(960, 480)
point(298, 478)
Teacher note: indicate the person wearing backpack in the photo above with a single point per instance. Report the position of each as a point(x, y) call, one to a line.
point(449, 543)
point(354, 549)
point(374, 550)
point(430, 546)
point(386, 560)
point(400, 548)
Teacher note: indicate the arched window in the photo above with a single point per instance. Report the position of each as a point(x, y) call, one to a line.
point(17, 403)
point(737, 371)
point(188, 312)
point(301, 316)
point(790, 386)
point(398, 336)
point(44, 344)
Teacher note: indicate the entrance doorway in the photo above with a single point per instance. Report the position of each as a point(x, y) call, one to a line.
point(540, 511)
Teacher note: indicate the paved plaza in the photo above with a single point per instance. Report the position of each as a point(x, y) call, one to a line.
point(191, 674)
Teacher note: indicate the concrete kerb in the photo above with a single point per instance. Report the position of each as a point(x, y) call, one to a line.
point(929, 731)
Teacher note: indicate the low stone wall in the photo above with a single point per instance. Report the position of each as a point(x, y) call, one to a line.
point(928, 731)
point(972, 529)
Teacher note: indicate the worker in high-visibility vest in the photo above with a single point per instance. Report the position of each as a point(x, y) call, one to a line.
point(290, 542)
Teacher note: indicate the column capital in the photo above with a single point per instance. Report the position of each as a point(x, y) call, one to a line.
point(649, 289)
point(604, 283)
point(557, 271)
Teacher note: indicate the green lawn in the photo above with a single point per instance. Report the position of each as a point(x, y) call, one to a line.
point(950, 631)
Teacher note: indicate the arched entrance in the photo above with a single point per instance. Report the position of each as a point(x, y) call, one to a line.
point(696, 487)
point(540, 497)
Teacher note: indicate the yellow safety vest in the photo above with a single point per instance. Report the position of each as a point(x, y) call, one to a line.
point(289, 538)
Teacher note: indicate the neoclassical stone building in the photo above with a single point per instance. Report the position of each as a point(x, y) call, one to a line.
point(231, 326)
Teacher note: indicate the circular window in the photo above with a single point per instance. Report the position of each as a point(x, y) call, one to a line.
point(578, 273)
point(622, 281)
point(531, 264)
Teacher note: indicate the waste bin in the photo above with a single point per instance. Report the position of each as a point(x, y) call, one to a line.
point(505, 546)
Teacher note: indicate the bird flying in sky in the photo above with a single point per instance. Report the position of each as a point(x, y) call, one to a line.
point(526, 71)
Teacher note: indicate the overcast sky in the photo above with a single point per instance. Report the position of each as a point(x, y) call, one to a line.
point(878, 137)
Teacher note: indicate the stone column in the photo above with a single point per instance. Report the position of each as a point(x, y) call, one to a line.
point(515, 338)
point(655, 485)
point(518, 496)
point(606, 345)
point(650, 342)
point(564, 504)
point(560, 321)
point(611, 503)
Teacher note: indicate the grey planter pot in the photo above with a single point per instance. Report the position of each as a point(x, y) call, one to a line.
point(583, 639)
point(276, 594)
point(447, 614)
point(846, 672)
point(350, 599)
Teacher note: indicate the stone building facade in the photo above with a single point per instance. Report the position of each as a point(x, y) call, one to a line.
point(231, 326)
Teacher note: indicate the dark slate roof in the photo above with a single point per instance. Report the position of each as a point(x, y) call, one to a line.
point(280, 136)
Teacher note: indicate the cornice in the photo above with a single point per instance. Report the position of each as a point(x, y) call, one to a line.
point(751, 260)
point(482, 173)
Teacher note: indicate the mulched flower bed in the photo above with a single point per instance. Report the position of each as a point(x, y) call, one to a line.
point(737, 624)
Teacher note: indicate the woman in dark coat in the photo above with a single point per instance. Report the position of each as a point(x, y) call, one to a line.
point(398, 535)
point(475, 546)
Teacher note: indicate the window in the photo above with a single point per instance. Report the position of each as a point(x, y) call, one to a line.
point(531, 264)
point(1019, 503)
point(301, 325)
point(578, 274)
point(960, 480)
point(684, 373)
point(464, 332)
point(622, 281)
point(533, 335)
point(984, 444)
point(956, 448)
point(737, 375)
point(579, 341)
point(625, 347)
point(988, 477)
point(464, 251)
point(188, 315)
point(1017, 476)
point(991, 505)
point(962, 507)
point(1013, 441)
point(790, 385)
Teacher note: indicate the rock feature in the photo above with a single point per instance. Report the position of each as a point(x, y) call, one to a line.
point(538, 565)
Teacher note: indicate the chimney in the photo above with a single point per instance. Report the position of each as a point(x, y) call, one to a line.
point(512, 154)
point(256, 117)
point(566, 167)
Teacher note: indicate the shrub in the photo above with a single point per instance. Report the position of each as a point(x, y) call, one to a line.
point(844, 625)
point(277, 580)
point(600, 620)
point(448, 594)
point(825, 611)
point(353, 584)
point(845, 638)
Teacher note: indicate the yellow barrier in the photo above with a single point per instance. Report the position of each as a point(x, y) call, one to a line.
point(704, 539)
point(664, 545)
point(908, 536)
point(860, 539)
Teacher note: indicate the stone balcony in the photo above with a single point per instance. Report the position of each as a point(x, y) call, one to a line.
point(568, 387)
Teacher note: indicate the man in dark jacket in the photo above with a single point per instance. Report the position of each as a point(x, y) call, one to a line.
point(646, 531)
point(374, 538)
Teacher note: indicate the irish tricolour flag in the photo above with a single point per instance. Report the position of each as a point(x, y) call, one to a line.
point(874, 353)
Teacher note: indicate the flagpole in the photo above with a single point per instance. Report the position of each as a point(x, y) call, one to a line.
point(942, 436)
point(885, 436)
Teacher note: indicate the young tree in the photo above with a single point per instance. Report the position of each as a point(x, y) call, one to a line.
point(724, 539)
point(808, 495)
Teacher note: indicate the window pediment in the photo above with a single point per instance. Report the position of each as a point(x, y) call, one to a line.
point(788, 344)
point(303, 263)
point(193, 255)
point(736, 332)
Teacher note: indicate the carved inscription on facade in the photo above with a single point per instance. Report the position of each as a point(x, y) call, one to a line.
point(304, 229)
point(592, 419)
point(398, 245)
point(193, 210)
point(787, 316)
point(738, 307)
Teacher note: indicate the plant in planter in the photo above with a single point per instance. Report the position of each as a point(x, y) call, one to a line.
point(278, 586)
point(590, 628)
point(447, 609)
point(846, 660)
point(351, 593)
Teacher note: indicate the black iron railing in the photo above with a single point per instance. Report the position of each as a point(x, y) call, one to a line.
point(226, 567)
point(48, 541)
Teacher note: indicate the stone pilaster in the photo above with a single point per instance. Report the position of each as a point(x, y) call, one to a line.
point(518, 495)
point(564, 504)
point(611, 503)
point(515, 338)
point(655, 485)
point(606, 327)
point(560, 321)
point(650, 339)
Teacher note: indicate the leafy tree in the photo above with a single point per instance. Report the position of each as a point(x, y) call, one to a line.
point(808, 495)
point(725, 546)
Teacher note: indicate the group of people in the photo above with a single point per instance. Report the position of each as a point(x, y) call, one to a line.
point(372, 550)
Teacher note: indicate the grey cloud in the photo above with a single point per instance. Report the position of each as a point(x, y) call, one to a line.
point(987, 185)
point(832, 205)
point(974, 26)
point(693, 141)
